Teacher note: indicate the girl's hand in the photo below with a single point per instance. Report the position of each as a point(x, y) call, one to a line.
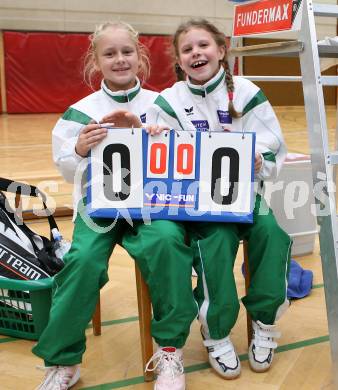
point(89, 136)
point(156, 129)
point(258, 162)
point(122, 118)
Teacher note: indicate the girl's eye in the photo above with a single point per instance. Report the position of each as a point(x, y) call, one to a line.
point(204, 44)
point(186, 50)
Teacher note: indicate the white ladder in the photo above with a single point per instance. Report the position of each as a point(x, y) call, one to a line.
point(323, 160)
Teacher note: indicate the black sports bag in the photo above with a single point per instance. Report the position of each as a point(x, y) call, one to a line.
point(23, 253)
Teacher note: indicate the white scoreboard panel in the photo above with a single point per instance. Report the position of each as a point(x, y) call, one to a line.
point(175, 175)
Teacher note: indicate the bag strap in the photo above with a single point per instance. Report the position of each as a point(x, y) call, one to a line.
point(29, 190)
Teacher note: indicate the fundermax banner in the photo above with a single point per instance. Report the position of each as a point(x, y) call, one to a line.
point(266, 16)
point(205, 176)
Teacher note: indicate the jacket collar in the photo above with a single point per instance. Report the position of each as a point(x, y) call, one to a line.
point(124, 96)
point(209, 86)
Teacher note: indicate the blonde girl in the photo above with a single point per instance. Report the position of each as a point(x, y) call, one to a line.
point(116, 55)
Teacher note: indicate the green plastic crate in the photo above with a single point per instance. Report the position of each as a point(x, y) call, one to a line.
point(24, 307)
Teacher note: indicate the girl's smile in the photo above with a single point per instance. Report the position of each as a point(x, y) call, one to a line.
point(117, 58)
point(199, 55)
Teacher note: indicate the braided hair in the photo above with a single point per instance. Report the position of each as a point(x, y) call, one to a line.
point(220, 40)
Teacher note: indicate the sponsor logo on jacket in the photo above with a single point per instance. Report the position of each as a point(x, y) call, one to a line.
point(189, 111)
point(202, 125)
point(143, 118)
point(224, 117)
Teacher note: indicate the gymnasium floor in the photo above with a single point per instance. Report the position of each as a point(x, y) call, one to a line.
point(113, 360)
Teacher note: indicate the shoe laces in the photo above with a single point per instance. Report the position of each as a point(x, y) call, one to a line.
point(166, 363)
point(218, 348)
point(264, 335)
point(56, 377)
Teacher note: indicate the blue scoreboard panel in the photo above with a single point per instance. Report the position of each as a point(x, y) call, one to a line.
point(175, 175)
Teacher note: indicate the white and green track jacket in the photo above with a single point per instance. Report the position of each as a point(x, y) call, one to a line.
point(187, 106)
point(92, 107)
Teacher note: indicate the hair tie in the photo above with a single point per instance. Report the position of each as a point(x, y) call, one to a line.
point(231, 96)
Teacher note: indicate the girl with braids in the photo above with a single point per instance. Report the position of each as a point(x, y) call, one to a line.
point(117, 56)
point(211, 99)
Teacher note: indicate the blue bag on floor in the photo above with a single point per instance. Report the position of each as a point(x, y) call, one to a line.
point(299, 281)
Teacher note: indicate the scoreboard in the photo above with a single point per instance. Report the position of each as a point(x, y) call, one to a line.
point(178, 175)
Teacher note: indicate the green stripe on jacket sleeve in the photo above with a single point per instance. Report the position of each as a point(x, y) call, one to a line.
point(77, 116)
point(166, 107)
point(258, 99)
point(269, 156)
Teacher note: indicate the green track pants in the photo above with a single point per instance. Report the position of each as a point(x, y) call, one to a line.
point(269, 256)
point(76, 291)
point(166, 264)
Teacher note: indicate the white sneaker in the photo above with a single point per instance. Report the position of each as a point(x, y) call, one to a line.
point(168, 365)
point(60, 377)
point(223, 357)
point(261, 350)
